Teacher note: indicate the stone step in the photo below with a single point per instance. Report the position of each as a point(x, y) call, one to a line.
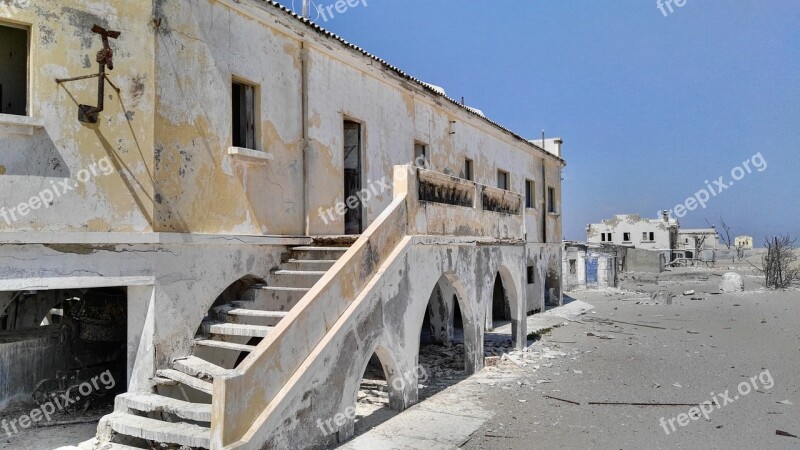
point(317, 253)
point(155, 430)
point(257, 313)
point(225, 345)
point(188, 380)
point(308, 264)
point(236, 329)
point(297, 278)
point(198, 368)
point(154, 403)
point(271, 298)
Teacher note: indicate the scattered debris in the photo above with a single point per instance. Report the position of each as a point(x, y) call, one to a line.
point(783, 433)
point(562, 400)
point(642, 404)
point(601, 336)
point(688, 293)
point(786, 402)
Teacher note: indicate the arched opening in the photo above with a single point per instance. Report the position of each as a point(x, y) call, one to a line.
point(442, 350)
point(373, 403)
point(501, 308)
point(498, 337)
point(228, 309)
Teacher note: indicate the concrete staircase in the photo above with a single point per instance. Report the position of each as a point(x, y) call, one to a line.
point(179, 412)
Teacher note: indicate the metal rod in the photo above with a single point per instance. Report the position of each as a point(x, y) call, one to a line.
point(65, 80)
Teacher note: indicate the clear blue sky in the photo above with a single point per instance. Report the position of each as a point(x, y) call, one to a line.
point(650, 107)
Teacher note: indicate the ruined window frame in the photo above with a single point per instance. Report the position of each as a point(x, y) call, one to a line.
point(626, 237)
point(425, 154)
point(530, 194)
point(256, 113)
point(531, 275)
point(28, 29)
point(469, 169)
point(506, 177)
point(552, 208)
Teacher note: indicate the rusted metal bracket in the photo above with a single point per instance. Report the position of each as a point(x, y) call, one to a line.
point(105, 57)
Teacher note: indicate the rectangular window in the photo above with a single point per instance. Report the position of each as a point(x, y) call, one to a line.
point(551, 200)
point(243, 98)
point(652, 236)
point(420, 154)
point(14, 70)
point(626, 237)
point(530, 194)
point(468, 174)
point(572, 267)
point(502, 179)
point(644, 236)
point(531, 275)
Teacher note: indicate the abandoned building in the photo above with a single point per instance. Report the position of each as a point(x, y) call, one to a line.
point(697, 243)
point(632, 230)
point(743, 242)
point(233, 211)
point(587, 266)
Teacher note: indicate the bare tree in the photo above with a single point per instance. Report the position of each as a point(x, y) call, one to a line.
point(780, 264)
point(725, 236)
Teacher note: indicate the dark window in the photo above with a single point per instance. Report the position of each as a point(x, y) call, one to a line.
point(530, 194)
point(626, 237)
point(13, 70)
point(420, 155)
point(551, 200)
point(531, 275)
point(244, 115)
point(572, 266)
point(468, 174)
point(502, 180)
point(652, 236)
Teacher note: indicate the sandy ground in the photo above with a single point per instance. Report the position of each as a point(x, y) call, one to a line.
point(680, 353)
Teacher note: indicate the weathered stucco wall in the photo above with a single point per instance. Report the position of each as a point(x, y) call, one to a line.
point(62, 46)
point(635, 225)
point(201, 188)
point(201, 47)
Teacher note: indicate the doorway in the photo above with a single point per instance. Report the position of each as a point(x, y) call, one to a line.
point(353, 218)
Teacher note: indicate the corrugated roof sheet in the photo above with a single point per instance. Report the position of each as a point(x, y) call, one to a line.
point(428, 87)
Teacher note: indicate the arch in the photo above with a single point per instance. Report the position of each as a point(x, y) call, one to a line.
point(473, 347)
point(397, 384)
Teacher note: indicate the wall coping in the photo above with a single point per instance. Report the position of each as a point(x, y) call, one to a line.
point(68, 237)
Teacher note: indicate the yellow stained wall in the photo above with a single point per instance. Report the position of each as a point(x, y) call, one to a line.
point(62, 46)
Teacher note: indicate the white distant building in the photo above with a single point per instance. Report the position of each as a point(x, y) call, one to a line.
point(744, 242)
point(633, 230)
